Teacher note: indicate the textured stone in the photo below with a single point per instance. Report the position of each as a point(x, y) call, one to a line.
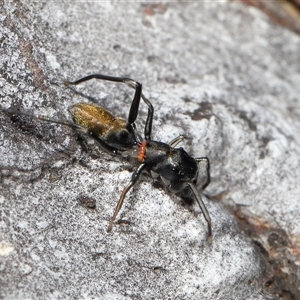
point(219, 73)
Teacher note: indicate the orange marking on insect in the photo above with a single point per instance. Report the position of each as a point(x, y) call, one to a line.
point(142, 151)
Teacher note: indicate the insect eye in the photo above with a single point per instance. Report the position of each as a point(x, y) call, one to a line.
point(123, 136)
point(176, 170)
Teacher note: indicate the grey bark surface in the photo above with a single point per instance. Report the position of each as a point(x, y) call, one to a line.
point(220, 74)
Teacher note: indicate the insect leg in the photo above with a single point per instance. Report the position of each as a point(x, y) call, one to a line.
point(135, 176)
point(200, 159)
point(133, 112)
point(102, 144)
point(148, 125)
point(176, 141)
point(203, 209)
point(12, 111)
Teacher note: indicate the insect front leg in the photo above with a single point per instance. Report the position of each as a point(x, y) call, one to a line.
point(203, 209)
point(135, 176)
point(176, 141)
point(188, 190)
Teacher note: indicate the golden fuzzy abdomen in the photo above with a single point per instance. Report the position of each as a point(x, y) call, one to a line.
point(96, 119)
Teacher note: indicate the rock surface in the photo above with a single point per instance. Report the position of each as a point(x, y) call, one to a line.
point(219, 73)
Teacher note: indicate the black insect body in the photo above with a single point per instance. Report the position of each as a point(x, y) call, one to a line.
point(174, 166)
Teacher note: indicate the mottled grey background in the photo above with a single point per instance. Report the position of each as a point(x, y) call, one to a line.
point(219, 73)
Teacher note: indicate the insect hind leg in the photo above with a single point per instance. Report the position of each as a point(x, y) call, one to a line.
point(12, 111)
point(84, 131)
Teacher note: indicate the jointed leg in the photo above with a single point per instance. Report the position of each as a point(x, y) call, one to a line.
point(148, 125)
point(203, 209)
point(200, 159)
point(134, 178)
point(102, 144)
point(12, 111)
point(134, 84)
point(176, 141)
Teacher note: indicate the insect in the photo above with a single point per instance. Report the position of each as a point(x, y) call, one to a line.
point(174, 166)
